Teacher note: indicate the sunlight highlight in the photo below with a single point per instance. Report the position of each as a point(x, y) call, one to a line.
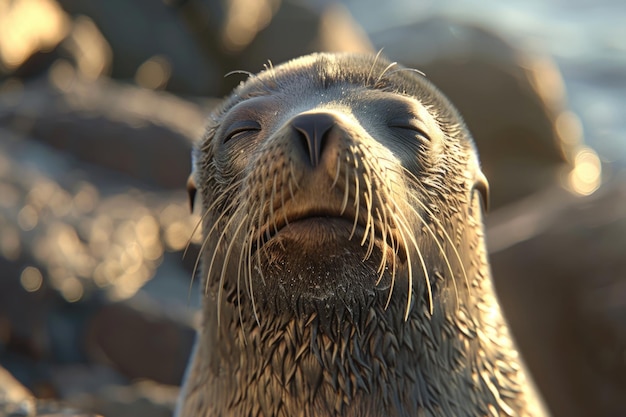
point(585, 178)
point(31, 279)
point(27, 26)
point(245, 19)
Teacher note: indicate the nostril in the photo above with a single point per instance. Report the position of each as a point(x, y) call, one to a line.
point(313, 129)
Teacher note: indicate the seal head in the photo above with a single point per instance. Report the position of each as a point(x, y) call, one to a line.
point(343, 258)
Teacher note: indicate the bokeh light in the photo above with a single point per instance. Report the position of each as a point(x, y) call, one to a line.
point(31, 279)
point(586, 176)
point(27, 26)
point(154, 73)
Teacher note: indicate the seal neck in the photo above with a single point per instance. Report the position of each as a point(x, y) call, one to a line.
point(382, 365)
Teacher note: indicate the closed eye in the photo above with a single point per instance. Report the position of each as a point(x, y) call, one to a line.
point(240, 129)
point(409, 124)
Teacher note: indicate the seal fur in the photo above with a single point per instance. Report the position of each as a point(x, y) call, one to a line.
point(343, 257)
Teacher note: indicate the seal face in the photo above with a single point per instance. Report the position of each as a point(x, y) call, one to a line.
point(343, 255)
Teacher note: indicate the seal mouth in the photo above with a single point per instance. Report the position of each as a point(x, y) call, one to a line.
point(279, 221)
point(354, 227)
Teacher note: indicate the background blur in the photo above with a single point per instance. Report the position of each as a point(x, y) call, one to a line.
point(100, 103)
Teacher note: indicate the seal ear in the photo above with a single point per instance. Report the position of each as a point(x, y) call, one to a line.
point(482, 186)
point(191, 190)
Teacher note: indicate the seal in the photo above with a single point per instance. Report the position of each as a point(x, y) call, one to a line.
point(343, 257)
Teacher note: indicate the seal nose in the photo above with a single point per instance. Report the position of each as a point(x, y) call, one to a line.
point(313, 130)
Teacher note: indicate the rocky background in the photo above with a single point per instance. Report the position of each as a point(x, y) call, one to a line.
point(100, 103)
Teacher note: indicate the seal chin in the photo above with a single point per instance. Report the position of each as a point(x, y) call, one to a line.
point(316, 259)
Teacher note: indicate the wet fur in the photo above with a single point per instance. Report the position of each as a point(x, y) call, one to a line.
point(393, 314)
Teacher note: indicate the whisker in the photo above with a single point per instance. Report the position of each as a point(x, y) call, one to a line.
point(404, 230)
point(206, 213)
point(404, 222)
point(395, 246)
point(220, 290)
point(282, 198)
point(271, 204)
point(337, 171)
point(295, 181)
point(250, 75)
point(357, 203)
point(205, 241)
point(193, 232)
point(423, 265)
point(369, 75)
point(260, 224)
point(210, 271)
point(447, 237)
point(250, 283)
point(368, 208)
point(441, 250)
point(415, 70)
point(383, 258)
point(369, 234)
point(270, 68)
point(240, 269)
point(243, 72)
point(370, 227)
point(382, 74)
point(289, 182)
point(346, 193)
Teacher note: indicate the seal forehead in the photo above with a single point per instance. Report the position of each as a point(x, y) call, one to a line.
point(327, 81)
point(323, 71)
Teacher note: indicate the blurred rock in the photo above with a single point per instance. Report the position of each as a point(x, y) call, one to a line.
point(140, 30)
point(301, 30)
point(560, 270)
point(30, 31)
point(143, 398)
point(89, 230)
point(78, 235)
point(15, 399)
point(185, 47)
point(130, 130)
point(512, 99)
point(142, 339)
point(77, 388)
point(56, 409)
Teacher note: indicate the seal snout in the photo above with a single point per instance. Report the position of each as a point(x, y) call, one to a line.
point(314, 130)
point(328, 174)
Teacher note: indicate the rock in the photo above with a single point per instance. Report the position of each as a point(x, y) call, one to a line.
point(76, 240)
point(512, 99)
point(15, 399)
point(130, 130)
point(300, 30)
point(560, 271)
point(197, 41)
point(142, 339)
point(56, 409)
point(31, 33)
point(88, 230)
point(143, 398)
point(144, 29)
